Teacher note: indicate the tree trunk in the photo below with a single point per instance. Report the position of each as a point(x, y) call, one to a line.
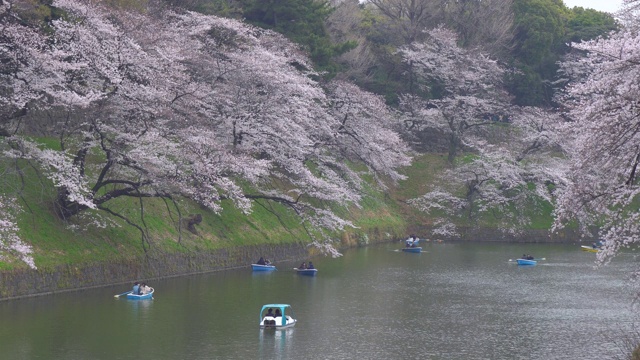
point(453, 147)
point(65, 208)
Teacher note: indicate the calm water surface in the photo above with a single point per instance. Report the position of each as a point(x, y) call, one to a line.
point(454, 301)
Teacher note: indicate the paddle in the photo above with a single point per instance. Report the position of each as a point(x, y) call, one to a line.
point(124, 293)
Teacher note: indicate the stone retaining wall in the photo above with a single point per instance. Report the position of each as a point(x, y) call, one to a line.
point(68, 277)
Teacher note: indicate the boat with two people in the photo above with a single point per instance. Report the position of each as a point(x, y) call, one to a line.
point(305, 269)
point(526, 260)
point(139, 292)
point(276, 316)
point(263, 265)
point(144, 296)
point(411, 245)
point(595, 247)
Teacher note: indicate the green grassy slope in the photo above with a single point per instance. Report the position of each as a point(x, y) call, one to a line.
point(82, 241)
point(383, 215)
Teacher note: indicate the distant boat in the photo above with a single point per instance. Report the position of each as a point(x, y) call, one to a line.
point(309, 272)
point(526, 262)
point(589, 248)
point(281, 319)
point(258, 267)
point(149, 295)
point(412, 249)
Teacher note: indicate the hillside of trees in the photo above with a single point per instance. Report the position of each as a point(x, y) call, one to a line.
point(305, 109)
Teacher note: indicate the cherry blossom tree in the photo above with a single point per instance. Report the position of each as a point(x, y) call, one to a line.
point(470, 84)
point(21, 50)
point(27, 65)
point(10, 242)
point(177, 104)
point(510, 178)
point(508, 164)
point(363, 134)
point(601, 137)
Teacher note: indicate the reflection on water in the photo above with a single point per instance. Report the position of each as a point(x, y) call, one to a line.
point(140, 309)
point(275, 344)
point(453, 301)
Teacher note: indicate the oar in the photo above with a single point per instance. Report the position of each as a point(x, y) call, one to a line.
point(536, 259)
point(124, 293)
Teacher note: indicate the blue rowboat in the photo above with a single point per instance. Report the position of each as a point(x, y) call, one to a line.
point(276, 316)
point(526, 262)
point(258, 267)
point(149, 295)
point(412, 249)
point(309, 272)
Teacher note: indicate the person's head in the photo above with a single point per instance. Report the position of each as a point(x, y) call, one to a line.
point(270, 310)
point(136, 283)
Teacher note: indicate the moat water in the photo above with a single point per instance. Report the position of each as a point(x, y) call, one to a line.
point(453, 301)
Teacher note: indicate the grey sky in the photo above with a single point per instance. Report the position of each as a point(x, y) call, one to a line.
point(600, 5)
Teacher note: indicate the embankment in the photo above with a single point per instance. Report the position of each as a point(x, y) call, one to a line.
point(24, 282)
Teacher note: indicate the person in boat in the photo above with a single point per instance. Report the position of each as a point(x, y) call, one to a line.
point(310, 265)
point(270, 312)
point(278, 313)
point(267, 262)
point(303, 266)
point(145, 289)
point(261, 261)
point(136, 288)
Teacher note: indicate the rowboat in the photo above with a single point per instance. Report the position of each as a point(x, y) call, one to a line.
point(276, 316)
point(309, 272)
point(149, 295)
point(526, 262)
point(589, 248)
point(412, 249)
point(258, 267)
